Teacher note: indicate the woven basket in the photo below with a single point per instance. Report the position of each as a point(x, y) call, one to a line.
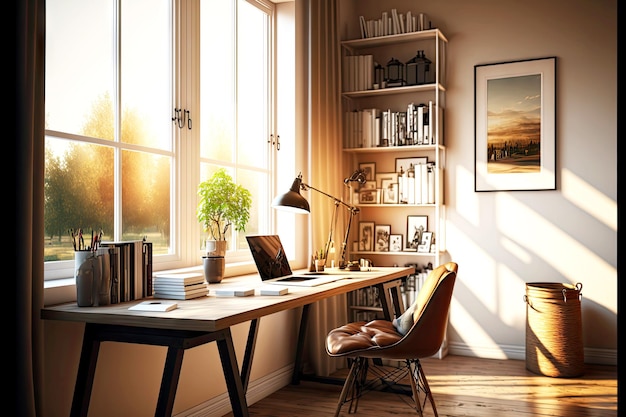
point(554, 345)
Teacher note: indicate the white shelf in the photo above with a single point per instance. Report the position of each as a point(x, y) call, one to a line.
point(408, 148)
point(422, 35)
point(394, 90)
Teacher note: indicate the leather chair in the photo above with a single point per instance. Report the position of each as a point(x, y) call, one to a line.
point(417, 333)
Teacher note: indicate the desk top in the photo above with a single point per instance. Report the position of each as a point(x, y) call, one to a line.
point(213, 313)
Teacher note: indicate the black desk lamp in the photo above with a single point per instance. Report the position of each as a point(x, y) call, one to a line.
point(293, 201)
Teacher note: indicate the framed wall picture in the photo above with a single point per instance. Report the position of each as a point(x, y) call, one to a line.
point(369, 185)
point(395, 243)
point(415, 227)
point(402, 164)
point(515, 129)
point(366, 236)
point(368, 196)
point(369, 168)
point(424, 246)
point(380, 176)
point(389, 190)
point(382, 233)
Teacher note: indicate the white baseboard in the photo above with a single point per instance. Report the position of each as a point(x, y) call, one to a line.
point(592, 356)
point(257, 390)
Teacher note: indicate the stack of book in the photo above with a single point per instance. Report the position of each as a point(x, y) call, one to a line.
point(180, 286)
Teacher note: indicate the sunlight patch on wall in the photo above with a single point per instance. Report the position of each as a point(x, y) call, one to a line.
point(516, 250)
point(589, 199)
point(470, 330)
point(464, 189)
point(511, 289)
point(554, 246)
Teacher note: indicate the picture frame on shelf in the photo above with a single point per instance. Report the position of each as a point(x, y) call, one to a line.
point(368, 196)
point(380, 176)
point(404, 163)
point(395, 243)
point(366, 236)
point(424, 246)
point(416, 225)
point(506, 160)
point(369, 185)
point(382, 234)
point(389, 189)
point(369, 168)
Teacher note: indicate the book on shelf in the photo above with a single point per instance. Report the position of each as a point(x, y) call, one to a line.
point(131, 267)
point(147, 268)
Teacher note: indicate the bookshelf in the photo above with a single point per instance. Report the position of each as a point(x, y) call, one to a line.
point(371, 140)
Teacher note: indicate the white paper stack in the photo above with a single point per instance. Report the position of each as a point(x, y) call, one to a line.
point(180, 286)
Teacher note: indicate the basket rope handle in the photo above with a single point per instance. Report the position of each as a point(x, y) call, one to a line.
point(578, 287)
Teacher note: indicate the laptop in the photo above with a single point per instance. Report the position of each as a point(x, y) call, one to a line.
point(273, 266)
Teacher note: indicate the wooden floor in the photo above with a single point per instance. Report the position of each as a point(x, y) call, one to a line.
point(464, 386)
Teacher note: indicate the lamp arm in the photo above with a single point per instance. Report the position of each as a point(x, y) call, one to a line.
point(337, 201)
point(342, 261)
point(353, 211)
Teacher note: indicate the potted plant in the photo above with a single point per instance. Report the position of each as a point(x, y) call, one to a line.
point(223, 204)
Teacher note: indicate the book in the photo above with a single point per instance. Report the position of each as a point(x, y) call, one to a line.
point(154, 305)
point(182, 290)
point(147, 268)
point(273, 290)
point(234, 292)
point(182, 296)
point(179, 278)
point(179, 285)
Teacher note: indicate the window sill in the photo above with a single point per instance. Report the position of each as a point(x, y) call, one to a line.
point(63, 290)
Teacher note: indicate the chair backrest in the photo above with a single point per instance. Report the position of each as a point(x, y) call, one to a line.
point(430, 318)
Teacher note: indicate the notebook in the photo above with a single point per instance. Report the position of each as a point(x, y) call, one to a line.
point(273, 266)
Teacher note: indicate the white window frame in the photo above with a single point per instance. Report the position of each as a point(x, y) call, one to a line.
point(185, 232)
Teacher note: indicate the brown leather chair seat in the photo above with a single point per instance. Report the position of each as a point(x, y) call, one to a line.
point(359, 336)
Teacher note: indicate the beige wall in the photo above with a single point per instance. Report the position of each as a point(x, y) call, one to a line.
point(500, 240)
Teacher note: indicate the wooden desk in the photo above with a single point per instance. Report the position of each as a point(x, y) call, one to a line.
point(203, 320)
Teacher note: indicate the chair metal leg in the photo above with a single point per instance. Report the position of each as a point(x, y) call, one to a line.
point(353, 385)
point(420, 383)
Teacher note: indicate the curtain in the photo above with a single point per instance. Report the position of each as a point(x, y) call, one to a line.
point(29, 176)
point(319, 95)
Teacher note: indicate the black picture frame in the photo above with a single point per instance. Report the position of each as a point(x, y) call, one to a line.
point(366, 236)
point(369, 168)
point(395, 242)
point(415, 226)
point(404, 163)
point(515, 150)
point(382, 233)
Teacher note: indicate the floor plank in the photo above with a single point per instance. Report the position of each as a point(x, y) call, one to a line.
point(464, 387)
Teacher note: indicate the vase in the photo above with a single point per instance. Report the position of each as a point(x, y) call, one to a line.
point(216, 247)
point(214, 267)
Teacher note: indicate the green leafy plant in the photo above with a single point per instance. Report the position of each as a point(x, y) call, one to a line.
point(223, 204)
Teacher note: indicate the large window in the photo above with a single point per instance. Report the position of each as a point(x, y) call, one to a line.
point(118, 74)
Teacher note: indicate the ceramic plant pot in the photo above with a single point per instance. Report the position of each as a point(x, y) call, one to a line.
point(214, 267)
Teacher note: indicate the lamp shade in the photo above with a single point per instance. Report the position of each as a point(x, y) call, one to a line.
point(292, 200)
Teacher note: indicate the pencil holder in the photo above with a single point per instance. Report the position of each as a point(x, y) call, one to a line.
point(87, 272)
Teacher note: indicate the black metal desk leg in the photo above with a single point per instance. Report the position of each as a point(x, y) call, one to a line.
point(231, 374)
point(297, 367)
point(86, 371)
point(246, 366)
point(169, 382)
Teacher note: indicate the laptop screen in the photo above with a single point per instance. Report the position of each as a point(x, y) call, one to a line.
point(269, 256)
